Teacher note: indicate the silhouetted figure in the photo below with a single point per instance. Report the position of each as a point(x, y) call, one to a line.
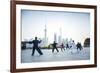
point(73, 48)
point(62, 47)
point(79, 46)
point(35, 43)
point(67, 46)
point(54, 45)
point(70, 43)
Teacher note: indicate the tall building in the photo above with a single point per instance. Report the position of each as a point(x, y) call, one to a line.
point(55, 37)
point(45, 37)
point(45, 32)
point(60, 37)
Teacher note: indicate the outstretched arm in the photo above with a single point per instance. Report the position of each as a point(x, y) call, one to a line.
point(30, 42)
point(40, 41)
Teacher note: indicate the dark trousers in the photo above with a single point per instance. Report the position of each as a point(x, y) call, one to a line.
point(80, 48)
point(55, 48)
point(62, 48)
point(38, 50)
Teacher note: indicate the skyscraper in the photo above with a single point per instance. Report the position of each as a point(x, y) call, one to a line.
point(45, 31)
point(45, 36)
point(55, 37)
point(60, 36)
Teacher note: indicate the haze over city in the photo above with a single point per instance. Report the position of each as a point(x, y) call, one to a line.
point(73, 25)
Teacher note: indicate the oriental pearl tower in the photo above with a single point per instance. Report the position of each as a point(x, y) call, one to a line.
point(45, 36)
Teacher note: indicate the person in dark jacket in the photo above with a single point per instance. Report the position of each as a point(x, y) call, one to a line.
point(35, 46)
point(79, 46)
point(54, 45)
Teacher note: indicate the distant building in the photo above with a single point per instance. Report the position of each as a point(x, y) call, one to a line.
point(60, 36)
point(55, 37)
point(87, 42)
point(44, 42)
point(23, 45)
point(26, 45)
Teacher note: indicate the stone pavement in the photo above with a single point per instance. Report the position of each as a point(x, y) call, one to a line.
point(48, 56)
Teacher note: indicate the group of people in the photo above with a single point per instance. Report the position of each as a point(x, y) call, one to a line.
point(69, 45)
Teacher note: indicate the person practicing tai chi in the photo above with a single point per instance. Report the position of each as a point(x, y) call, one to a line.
point(35, 46)
point(79, 46)
point(73, 48)
point(67, 46)
point(62, 47)
point(54, 45)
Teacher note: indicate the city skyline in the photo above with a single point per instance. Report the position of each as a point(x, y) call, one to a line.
point(64, 24)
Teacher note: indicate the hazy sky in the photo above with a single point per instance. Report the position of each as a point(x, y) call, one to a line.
point(73, 25)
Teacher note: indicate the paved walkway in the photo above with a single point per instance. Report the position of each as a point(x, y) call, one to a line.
point(48, 56)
